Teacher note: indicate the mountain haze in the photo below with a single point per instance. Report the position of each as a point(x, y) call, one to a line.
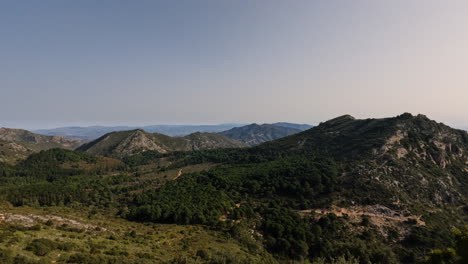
point(94, 132)
point(255, 134)
point(301, 127)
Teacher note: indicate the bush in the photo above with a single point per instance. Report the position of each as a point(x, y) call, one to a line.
point(41, 246)
point(202, 254)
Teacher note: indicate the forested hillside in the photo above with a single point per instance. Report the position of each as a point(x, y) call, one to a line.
point(346, 191)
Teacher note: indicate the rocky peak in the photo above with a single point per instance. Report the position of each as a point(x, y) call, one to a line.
point(339, 120)
point(138, 141)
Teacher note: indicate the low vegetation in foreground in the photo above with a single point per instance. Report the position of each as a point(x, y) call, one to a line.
point(347, 191)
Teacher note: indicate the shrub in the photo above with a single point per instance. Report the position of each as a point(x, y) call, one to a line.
point(41, 246)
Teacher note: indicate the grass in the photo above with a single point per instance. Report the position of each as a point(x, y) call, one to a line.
point(111, 237)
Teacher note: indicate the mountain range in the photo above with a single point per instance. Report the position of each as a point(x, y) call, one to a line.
point(16, 144)
point(94, 132)
point(122, 143)
point(387, 190)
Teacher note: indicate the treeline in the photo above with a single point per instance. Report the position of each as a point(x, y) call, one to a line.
point(456, 253)
point(328, 237)
point(46, 165)
point(201, 198)
point(44, 180)
point(226, 156)
point(185, 201)
point(56, 194)
point(257, 189)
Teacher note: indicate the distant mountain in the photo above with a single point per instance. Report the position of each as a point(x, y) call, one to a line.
point(94, 132)
point(301, 127)
point(123, 143)
point(18, 143)
point(255, 134)
point(183, 130)
point(81, 133)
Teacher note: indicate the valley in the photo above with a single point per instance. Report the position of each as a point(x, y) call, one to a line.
point(363, 191)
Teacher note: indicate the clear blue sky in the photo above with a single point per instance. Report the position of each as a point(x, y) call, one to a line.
point(141, 62)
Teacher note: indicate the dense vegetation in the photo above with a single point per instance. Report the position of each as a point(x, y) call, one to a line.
point(280, 198)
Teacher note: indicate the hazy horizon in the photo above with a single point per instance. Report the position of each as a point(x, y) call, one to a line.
point(133, 125)
point(82, 63)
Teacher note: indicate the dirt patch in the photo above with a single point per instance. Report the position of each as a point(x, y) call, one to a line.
point(179, 173)
point(379, 215)
point(31, 219)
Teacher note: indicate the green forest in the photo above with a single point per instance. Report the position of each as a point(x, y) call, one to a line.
point(255, 198)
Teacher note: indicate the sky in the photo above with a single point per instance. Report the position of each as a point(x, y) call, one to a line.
point(112, 62)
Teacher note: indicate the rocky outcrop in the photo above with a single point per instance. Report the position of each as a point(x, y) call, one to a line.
point(405, 158)
point(17, 144)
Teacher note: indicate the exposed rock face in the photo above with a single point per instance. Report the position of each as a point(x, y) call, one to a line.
point(11, 151)
point(123, 143)
point(18, 143)
point(40, 142)
point(428, 140)
point(406, 158)
point(138, 142)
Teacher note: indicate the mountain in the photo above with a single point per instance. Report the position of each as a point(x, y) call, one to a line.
point(123, 143)
point(94, 132)
point(301, 127)
point(11, 151)
point(386, 190)
point(18, 143)
point(406, 159)
point(183, 130)
point(81, 133)
point(255, 134)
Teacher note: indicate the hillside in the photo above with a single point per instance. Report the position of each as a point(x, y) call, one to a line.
point(18, 143)
point(388, 158)
point(10, 152)
point(123, 143)
point(255, 134)
point(346, 191)
point(404, 178)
